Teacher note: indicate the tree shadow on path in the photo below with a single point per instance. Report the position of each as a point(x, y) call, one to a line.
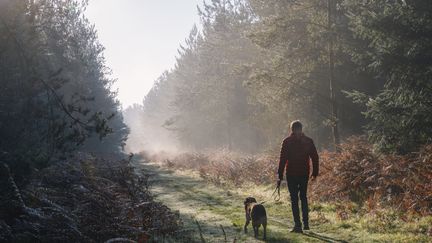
point(323, 237)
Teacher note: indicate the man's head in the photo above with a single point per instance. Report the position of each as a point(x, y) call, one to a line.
point(296, 127)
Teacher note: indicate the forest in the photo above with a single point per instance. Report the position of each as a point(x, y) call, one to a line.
point(345, 68)
point(76, 167)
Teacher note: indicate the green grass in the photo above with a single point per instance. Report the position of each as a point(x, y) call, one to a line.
point(213, 206)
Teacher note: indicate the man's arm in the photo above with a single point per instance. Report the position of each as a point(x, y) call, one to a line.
point(282, 160)
point(315, 160)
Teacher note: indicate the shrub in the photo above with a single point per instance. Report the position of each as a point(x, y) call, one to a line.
point(359, 174)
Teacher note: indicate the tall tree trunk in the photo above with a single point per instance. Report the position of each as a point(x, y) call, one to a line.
point(334, 108)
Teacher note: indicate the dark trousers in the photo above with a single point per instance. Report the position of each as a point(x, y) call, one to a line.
point(298, 185)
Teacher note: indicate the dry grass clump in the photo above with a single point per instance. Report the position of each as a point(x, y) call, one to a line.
point(238, 169)
point(223, 167)
point(359, 174)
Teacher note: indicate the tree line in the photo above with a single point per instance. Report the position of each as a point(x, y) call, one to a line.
point(344, 67)
point(55, 93)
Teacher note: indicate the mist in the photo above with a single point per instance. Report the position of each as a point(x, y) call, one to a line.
point(224, 92)
point(148, 136)
point(236, 85)
point(156, 121)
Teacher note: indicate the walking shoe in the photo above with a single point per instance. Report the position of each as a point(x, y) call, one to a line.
point(297, 230)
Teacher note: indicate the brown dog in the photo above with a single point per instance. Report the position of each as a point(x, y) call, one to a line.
point(257, 213)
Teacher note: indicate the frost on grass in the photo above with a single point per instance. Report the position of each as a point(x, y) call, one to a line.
point(84, 199)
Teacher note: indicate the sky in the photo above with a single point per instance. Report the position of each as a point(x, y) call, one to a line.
point(141, 38)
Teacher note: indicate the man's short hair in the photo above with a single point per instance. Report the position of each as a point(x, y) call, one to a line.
point(296, 126)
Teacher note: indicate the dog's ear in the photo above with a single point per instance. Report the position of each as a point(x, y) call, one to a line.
point(247, 201)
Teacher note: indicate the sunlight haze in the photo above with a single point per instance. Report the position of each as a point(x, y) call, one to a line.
point(141, 39)
point(269, 121)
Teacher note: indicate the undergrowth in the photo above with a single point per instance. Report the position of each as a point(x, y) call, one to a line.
point(382, 192)
point(84, 199)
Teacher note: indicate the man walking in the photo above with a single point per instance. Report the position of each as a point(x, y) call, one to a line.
point(296, 151)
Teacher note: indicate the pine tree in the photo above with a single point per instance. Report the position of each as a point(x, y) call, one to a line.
point(398, 52)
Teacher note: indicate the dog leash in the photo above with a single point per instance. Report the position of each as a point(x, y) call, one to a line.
point(276, 197)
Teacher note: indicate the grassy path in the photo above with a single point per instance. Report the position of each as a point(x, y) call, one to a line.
point(213, 207)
